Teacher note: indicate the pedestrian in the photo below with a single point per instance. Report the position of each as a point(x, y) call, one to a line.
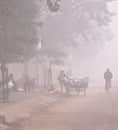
point(61, 78)
point(107, 77)
point(27, 85)
point(12, 83)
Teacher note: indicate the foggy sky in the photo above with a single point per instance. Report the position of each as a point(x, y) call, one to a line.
point(95, 67)
point(111, 50)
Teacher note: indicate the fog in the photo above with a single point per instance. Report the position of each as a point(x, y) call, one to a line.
point(95, 66)
point(39, 39)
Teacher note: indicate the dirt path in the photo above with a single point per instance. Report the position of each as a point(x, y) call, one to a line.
point(96, 111)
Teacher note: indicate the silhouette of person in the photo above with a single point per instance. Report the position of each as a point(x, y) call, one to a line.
point(107, 77)
point(27, 85)
point(61, 77)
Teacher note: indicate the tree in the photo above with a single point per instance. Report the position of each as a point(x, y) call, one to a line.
point(18, 30)
point(54, 5)
point(18, 33)
point(80, 24)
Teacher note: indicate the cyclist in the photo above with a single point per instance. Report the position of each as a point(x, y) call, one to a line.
point(107, 77)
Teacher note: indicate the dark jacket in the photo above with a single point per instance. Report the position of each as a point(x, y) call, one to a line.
point(61, 77)
point(108, 75)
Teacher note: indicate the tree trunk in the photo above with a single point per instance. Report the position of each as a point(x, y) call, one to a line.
point(5, 89)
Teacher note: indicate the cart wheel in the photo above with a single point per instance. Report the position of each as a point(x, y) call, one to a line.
point(84, 91)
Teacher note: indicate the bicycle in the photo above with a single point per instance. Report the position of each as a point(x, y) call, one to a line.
point(107, 86)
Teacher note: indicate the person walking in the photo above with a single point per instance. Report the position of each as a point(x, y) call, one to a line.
point(27, 85)
point(61, 77)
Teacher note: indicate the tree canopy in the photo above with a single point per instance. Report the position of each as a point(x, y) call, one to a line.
point(83, 24)
point(77, 23)
point(18, 34)
point(54, 5)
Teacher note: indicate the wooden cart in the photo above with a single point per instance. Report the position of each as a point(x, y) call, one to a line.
point(76, 85)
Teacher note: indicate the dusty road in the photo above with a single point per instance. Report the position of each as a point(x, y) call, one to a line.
point(96, 111)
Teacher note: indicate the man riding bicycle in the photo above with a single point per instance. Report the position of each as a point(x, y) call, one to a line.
point(107, 77)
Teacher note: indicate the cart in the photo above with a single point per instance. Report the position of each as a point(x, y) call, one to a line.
point(79, 85)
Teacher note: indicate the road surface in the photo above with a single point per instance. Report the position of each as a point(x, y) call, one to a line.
point(96, 111)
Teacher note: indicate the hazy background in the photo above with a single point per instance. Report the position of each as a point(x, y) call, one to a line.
point(95, 66)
